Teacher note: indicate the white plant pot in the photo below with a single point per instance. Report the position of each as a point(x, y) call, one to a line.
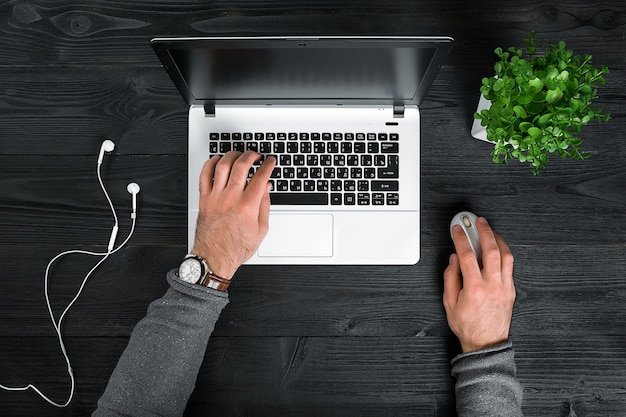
point(478, 131)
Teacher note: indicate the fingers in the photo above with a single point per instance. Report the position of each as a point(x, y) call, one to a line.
point(223, 170)
point(451, 283)
point(506, 260)
point(491, 250)
point(264, 210)
point(257, 187)
point(466, 257)
point(206, 175)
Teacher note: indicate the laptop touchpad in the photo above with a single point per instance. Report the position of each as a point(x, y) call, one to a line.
point(298, 235)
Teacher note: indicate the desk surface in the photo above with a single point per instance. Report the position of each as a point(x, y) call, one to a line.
point(301, 341)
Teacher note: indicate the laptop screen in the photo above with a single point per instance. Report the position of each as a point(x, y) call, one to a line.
point(306, 71)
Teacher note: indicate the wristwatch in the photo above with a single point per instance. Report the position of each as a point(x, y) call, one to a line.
point(195, 270)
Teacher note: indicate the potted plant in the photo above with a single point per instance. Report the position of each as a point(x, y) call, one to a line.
point(535, 106)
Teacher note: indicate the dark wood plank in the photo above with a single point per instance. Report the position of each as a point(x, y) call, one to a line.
point(351, 376)
point(404, 301)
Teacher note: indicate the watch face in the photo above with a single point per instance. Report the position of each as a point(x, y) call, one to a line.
point(190, 270)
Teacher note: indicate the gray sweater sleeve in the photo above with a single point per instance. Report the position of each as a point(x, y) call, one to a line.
point(156, 374)
point(486, 383)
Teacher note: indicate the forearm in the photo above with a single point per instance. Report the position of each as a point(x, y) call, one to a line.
point(487, 384)
point(156, 374)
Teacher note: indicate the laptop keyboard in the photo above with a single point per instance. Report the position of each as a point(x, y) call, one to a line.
point(349, 169)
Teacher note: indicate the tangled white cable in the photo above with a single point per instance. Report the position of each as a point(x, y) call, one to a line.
point(133, 189)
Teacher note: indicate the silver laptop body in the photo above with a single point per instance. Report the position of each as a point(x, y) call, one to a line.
point(341, 116)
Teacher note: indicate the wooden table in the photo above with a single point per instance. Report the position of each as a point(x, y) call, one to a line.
point(301, 341)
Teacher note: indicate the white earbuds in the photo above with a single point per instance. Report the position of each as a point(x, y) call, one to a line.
point(133, 188)
point(107, 146)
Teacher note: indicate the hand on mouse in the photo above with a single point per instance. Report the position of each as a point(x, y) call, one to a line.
point(479, 303)
point(233, 214)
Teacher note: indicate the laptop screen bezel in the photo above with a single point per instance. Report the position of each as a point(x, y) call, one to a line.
point(441, 45)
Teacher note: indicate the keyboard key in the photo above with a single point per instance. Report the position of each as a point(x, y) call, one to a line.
point(315, 172)
point(359, 147)
point(295, 185)
point(309, 185)
point(298, 160)
point(225, 147)
point(371, 136)
point(388, 172)
point(282, 185)
point(349, 199)
point(363, 199)
point(302, 172)
point(322, 185)
point(356, 173)
point(384, 185)
point(279, 147)
point(394, 136)
point(305, 147)
point(382, 136)
point(336, 185)
point(299, 199)
point(353, 160)
point(264, 147)
point(389, 147)
point(378, 199)
point(336, 199)
point(393, 199)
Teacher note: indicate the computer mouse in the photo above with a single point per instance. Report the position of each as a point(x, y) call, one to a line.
point(467, 221)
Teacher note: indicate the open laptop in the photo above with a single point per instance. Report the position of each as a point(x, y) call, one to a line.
point(341, 116)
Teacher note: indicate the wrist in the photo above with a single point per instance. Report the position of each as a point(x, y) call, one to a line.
point(214, 264)
point(195, 270)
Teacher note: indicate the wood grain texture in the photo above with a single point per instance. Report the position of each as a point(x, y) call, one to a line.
point(301, 341)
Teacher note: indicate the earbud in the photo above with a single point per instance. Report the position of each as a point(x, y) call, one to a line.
point(133, 188)
point(107, 146)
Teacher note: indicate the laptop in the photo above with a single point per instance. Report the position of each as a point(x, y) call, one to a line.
point(341, 116)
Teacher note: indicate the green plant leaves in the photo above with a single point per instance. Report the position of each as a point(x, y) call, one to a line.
point(539, 102)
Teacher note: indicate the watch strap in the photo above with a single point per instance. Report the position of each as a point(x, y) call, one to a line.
point(210, 279)
point(215, 281)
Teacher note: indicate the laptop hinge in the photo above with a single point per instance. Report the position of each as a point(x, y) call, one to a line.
point(398, 111)
point(209, 110)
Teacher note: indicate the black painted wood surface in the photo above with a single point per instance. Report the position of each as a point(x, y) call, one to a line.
point(301, 341)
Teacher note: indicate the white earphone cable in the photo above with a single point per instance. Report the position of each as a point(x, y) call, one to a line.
point(57, 324)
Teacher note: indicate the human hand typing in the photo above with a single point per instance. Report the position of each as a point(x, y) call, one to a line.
point(479, 303)
point(233, 214)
